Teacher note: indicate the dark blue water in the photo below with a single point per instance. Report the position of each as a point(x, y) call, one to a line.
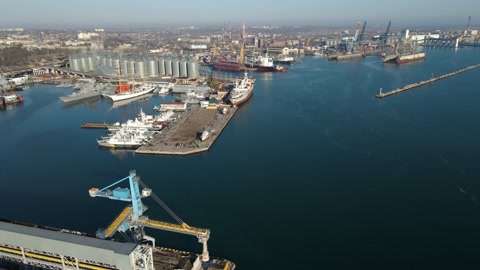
point(313, 172)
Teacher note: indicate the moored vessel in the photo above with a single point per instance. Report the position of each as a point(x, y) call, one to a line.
point(12, 98)
point(242, 91)
point(265, 64)
point(410, 57)
point(224, 64)
point(80, 95)
point(124, 91)
point(284, 59)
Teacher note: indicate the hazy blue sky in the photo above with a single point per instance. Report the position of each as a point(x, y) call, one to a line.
point(122, 13)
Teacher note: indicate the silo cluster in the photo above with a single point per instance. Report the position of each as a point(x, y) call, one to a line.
point(83, 62)
point(129, 66)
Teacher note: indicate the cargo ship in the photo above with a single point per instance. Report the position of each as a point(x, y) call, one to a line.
point(265, 64)
point(410, 57)
point(223, 64)
point(242, 91)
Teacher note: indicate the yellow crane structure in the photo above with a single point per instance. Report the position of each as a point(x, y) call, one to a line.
point(214, 49)
point(131, 221)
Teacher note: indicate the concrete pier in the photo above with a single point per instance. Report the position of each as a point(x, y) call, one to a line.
point(182, 137)
point(414, 85)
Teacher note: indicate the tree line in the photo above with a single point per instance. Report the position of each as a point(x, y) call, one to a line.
point(18, 56)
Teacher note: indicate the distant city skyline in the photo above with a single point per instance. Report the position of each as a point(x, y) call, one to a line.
point(153, 13)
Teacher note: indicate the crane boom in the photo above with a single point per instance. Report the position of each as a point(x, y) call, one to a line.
point(385, 36)
point(360, 38)
point(200, 233)
point(355, 38)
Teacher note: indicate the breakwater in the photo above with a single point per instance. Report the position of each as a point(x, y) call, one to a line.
point(414, 85)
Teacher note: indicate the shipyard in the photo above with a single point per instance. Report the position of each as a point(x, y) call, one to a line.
point(226, 122)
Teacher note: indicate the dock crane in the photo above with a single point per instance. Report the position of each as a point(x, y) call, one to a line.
point(385, 36)
point(360, 37)
point(357, 30)
point(132, 220)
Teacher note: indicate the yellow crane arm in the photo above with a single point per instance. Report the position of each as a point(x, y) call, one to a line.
point(183, 228)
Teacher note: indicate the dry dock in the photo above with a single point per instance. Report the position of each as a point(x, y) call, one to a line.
point(181, 137)
point(414, 85)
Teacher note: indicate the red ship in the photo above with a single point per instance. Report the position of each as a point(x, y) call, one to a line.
point(223, 64)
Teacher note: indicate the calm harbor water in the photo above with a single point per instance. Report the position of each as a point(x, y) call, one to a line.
point(313, 172)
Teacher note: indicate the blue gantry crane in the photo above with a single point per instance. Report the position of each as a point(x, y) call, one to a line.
point(131, 221)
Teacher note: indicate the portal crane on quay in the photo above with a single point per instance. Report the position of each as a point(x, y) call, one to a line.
point(131, 220)
point(360, 37)
point(385, 36)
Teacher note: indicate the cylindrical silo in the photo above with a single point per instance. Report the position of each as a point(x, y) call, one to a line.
point(139, 68)
point(116, 65)
point(123, 67)
point(161, 67)
point(103, 60)
point(83, 63)
point(75, 64)
point(168, 67)
point(152, 68)
point(193, 69)
point(130, 69)
point(176, 68)
point(110, 61)
point(183, 68)
point(90, 64)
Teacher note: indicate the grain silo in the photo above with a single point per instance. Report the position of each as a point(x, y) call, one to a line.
point(91, 64)
point(168, 67)
point(103, 60)
point(183, 68)
point(110, 61)
point(83, 63)
point(115, 65)
point(176, 68)
point(139, 68)
point(123, 67)
point(130, 69)
point(193, 69)
point(75, 63)
point(152, 67)
point(161, 66)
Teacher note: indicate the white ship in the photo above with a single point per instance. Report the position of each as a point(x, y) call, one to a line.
point(143, 122)
point(135, 92)
point(242, 91)
point(124, 102)
point(126, 139)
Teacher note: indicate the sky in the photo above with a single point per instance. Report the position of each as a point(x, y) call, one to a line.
point(165, 13)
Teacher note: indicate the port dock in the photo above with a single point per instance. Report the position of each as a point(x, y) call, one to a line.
point(182, 137)
point(414, 85)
